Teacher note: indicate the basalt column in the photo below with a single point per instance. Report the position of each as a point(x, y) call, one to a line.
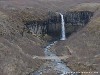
point(52, 25)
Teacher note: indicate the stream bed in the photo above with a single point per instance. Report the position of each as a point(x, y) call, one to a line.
point(53, 65)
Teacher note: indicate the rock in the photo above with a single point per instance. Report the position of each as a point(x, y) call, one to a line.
point(52, 25)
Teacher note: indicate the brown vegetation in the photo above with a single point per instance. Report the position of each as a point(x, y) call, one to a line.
point(84, 46)
point(17, 47)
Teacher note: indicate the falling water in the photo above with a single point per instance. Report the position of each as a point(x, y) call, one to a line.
point(63, 36)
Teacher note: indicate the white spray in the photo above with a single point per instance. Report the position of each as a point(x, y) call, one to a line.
point(63, 36)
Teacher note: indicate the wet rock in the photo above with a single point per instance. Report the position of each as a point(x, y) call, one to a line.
point(52, 26)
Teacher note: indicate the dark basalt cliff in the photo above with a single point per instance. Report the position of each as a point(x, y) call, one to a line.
point(52, 26)
point(78, 17)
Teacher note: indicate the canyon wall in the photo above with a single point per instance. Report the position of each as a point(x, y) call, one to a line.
point(52, 26)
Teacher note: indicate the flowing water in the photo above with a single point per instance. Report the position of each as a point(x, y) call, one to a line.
point(63, 35)
point(55, 65)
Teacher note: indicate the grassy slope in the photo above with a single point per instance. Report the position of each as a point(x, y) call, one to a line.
point(16, 52)
point(43, 5)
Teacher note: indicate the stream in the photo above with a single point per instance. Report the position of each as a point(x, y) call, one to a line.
point(55, 65)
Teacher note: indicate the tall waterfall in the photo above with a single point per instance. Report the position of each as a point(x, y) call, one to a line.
point(63, 36)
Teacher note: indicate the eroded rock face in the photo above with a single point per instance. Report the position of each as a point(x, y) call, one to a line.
point(52, 25)
point(49, 26)
point(78, 17)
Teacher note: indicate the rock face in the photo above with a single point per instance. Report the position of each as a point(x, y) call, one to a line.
point(52, 25)
point(49, 26)
point(78, 17)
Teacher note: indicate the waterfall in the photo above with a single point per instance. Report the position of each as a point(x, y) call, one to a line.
point(63, 36)
point(54, 63)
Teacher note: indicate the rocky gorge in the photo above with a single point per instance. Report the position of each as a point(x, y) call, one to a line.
point(29, 27)
point(52, 26)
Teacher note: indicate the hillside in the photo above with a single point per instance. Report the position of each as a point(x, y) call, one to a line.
point(17, 50)
point(43, 5)
point(19, 44)
point(84, 44)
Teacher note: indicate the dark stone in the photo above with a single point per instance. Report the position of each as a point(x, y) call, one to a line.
point(52, 26)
